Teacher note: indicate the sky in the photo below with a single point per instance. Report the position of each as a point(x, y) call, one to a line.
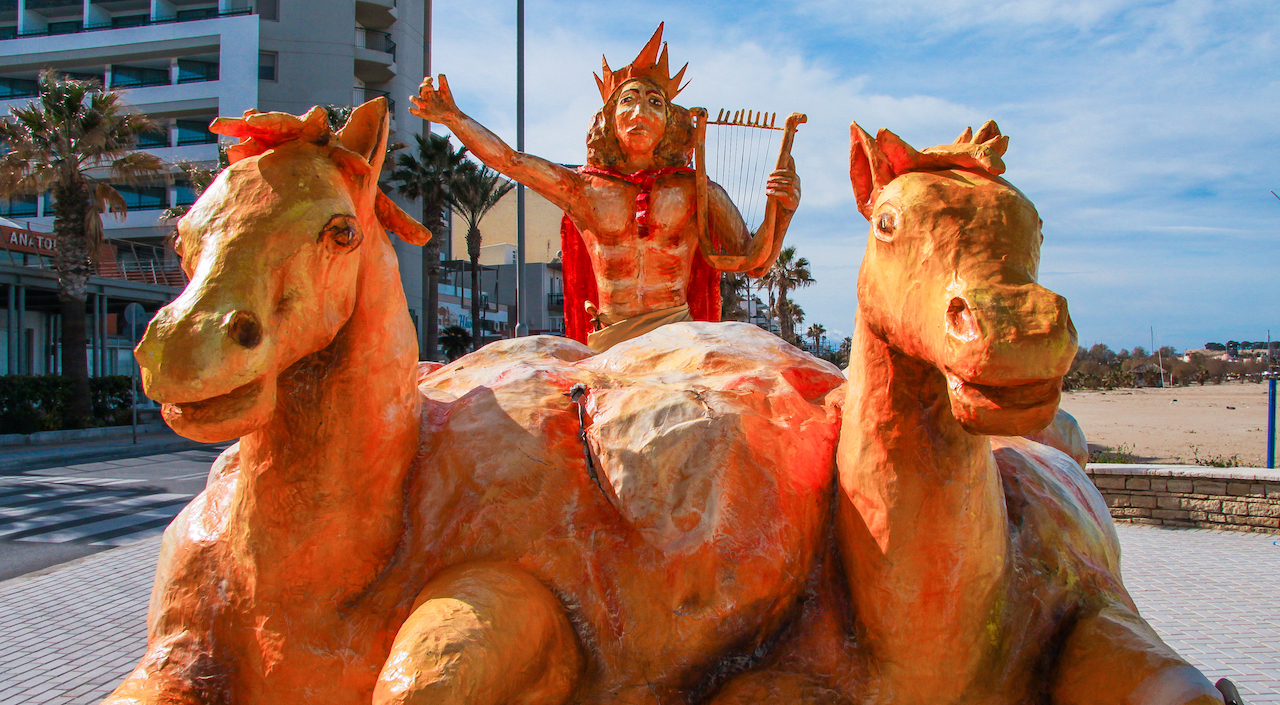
point(1146, 133)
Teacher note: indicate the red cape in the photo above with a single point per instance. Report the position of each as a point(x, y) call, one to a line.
point(580, 285)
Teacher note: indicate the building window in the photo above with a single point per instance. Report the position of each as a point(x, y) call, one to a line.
point(195, 132)
point(138, 77)
point(97, 77)
point(184, 194)
point(18, 88)
point(267, 66)
point(130, 21)
point(269, 10)
point(144, 198)
point(70, 27)
point(190, 71)
point(203, 13)
point(154, 140)
point(19, 207)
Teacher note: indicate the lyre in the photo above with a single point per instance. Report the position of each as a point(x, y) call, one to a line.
point(745, 118)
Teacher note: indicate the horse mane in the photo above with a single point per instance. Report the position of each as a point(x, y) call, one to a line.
point(873, 163)
point(357, 148)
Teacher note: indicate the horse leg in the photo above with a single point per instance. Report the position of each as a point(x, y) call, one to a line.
point(482, 634)
point(1114, 657)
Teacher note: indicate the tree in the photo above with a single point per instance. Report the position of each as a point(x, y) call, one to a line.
point(790, 311)
point(426, 176)
point(476, 189)
point(734, 290)
point(816, 331)
point(788, 273)
point(63, 142)
point(455, 340)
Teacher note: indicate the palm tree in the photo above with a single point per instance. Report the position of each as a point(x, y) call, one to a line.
point(788, 272)
point(455, 340)
point(734, 290)
point(476, 189)
point(426, 176)
point(790, 312)
point(816, 331)
point(73, 129)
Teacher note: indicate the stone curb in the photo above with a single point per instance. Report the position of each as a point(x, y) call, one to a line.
point(1238, 499)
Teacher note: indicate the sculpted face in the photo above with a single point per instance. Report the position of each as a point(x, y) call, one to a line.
point(640, 118)
point(950, 278)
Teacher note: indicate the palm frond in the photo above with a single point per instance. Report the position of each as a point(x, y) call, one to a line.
point(108, 200)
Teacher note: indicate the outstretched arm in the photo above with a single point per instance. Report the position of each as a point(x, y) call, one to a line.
point(561, 186)
point(743, 251)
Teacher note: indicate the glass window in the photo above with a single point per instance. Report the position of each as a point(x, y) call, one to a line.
point(130, 21)
point(185, 194)
point(153, 140)
point(85, 76)
point(138, 77)
point(267, 66)
point(144, 198)
point(269, 10)
point(17, 88)
point(203, 13)
point(70, 27)
point(19, 207)
point(10, 32)
point(190, 71)
point(195, 132)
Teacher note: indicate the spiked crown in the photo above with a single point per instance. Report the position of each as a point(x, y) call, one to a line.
point(648, 66)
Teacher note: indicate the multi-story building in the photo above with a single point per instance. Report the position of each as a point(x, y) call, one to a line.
point(185, 62)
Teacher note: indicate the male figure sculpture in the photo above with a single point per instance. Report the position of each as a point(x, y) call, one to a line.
point(633, 203)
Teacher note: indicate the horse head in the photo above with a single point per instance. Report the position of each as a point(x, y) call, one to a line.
point(276, 250)
point(949, 277)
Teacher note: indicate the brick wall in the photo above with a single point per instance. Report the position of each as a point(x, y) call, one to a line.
point(1246, 499)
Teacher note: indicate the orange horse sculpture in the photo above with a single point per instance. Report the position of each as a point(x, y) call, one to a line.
point(372, 540)
point(981, 570)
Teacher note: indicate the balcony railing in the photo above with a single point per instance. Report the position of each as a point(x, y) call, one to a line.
point(116, 259)
point(361, 95)
point(137, 21)
point(555, 301)
point(375, 40)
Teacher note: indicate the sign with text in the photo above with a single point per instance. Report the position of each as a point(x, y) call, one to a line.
point(34, 243)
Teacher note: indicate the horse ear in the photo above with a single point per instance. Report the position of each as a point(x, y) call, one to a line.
point(869, 169)
point(366, 132)
point(901, 156)
point(397, 221)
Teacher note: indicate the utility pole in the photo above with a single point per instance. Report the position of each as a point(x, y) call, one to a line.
point(522, 328)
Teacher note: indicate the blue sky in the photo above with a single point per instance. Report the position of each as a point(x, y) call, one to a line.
point(1146, 133)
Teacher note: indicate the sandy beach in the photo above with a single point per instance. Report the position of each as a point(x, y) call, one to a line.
point(1180, 425)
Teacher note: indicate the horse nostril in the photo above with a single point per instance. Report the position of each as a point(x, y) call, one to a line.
point(243, 327)
point(960, 320)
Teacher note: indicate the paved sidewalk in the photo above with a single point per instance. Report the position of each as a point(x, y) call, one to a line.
point(71, 634)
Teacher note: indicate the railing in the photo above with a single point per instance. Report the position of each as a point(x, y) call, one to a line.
point(555, 301)
point(361, 95)
point(378, 41)
point(117, 259)
point(185, 16)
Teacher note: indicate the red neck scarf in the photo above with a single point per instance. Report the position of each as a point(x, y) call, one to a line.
point(645, 180)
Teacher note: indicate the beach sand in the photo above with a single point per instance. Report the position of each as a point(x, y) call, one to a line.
point(1176, 425)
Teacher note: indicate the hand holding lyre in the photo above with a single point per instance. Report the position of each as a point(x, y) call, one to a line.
point(784, 185)
point(434, 104)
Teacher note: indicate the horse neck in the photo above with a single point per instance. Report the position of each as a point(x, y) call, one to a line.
point(327, 472)
point(923, 520)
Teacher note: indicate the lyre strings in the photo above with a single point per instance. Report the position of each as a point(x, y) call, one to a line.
point(741, 147)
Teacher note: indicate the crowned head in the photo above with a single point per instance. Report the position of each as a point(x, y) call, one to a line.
point(646, 80)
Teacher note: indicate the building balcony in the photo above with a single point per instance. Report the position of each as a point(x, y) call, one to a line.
point(376, 13)
point(77, 26)
point(361, 95)
point(555, 302)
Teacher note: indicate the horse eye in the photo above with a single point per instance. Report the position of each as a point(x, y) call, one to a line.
point(886, 224)
point(342, 231)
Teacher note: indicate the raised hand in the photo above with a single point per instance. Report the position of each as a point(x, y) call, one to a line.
point(784, 185)
point(434, 104)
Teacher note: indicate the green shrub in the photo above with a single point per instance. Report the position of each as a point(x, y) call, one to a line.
point(33, 403)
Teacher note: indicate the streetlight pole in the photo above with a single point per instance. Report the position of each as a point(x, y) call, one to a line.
point(522, 328)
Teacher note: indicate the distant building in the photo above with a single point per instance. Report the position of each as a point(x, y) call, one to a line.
point(185, 62)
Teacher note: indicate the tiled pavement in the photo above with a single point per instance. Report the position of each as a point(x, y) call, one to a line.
point(71, 634)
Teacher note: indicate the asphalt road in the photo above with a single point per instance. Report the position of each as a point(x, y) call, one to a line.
point(51, 514)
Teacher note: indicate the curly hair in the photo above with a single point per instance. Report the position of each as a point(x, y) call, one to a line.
point(675, 148)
